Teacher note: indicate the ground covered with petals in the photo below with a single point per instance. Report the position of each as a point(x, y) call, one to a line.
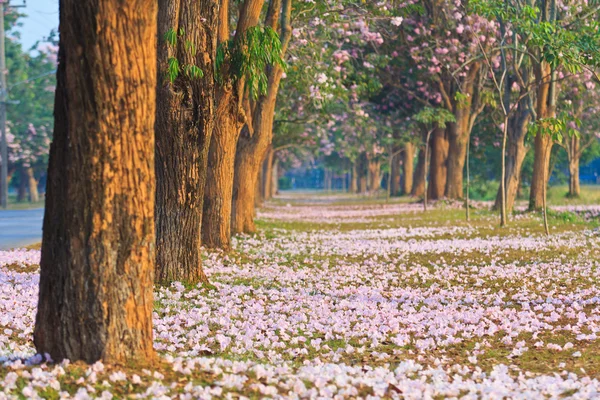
point(346, 298)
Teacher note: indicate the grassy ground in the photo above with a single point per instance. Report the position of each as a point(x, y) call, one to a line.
point(361, 289)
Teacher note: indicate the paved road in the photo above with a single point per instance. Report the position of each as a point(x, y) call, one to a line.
point(20, 227)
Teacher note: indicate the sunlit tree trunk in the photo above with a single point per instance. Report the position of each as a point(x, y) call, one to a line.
point(253, 144)
point(97, 261)
point(275, 178)
point(408, 159)
point(374, 178)
point(32, 185)
point(543, 143)
point(267, 175)
point(438, 164)
point(515, 154)
point(354, 178)
point(184, 126)
point(229, 120)
point(395, 178)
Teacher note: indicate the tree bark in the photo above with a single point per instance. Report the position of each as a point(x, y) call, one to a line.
point(32, 185)
point(274, 178)
point(574, 152)
point(229, 120)
point(419, 175)
point(374, 172)
point(408, 159)
point(543, 143)
point(395, 181)
point(515, 155)
point(184, 125)
point(438, 164)
point(22, 190)
point(97, 262)
point(354, 178)
point(465, 112)
point(267, 174)
point(252, 145)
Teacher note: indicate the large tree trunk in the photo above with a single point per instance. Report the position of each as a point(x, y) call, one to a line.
point(574, 156)
point(419, 175)
point(97, 263)
point(395, 175)
point(229, 120)
point(254, 143)
point(408, 159)
point(515, 155)
point(543, 143)
point(438, 164)
point(32, 185)
point(184, 125)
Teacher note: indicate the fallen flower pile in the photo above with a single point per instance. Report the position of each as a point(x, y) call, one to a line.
point(418, 310)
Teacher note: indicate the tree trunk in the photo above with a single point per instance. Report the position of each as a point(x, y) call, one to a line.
point(97, 262)
point(374, 175)
point(274, 178)
point(32, 185)
point(408, 159)
point(458, 137)
point(229, 120)
point(574, 156)
point(258, 191)
point(543, 143)
point(184, 125)
point(419, 175)
point(395, 176)
point(515, 155)
point(438, 164)
point(354, 178)
point(267, 176)
point(253, 145)
point(22, 190)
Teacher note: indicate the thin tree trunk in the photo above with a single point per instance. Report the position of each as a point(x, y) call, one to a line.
point(22, 190)
point(395, 183)
point(438, 164)
point(267, 177)
point(543, 143)
point(32, 185)
point(574, 156)
point(419, 175)
point(274, 178)
point(354, 178)
point(408, 163)
point(184, 126)
point(97, 262)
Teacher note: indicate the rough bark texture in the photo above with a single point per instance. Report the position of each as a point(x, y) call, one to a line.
point(438, 164)
point(408, 160)
point(419, 175)
point(32, 184)
point(574, 187)
point(184, 125)
point(543, 143)
point(97, 263)
point(395, 180)
point(229, 120)
point(515, 154)
point(253, 144)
